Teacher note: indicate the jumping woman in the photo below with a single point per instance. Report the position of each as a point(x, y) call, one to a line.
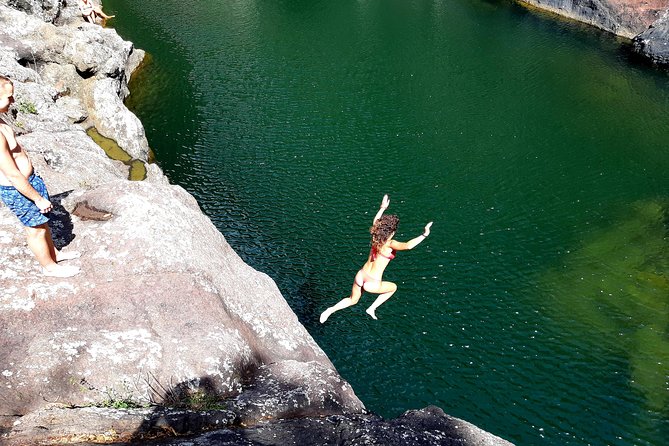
point(370, 277)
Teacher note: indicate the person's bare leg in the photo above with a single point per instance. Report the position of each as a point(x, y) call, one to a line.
point(99, 12)
point(353, 299)
point(58, 255)
point(387, 289)
point(41, 245)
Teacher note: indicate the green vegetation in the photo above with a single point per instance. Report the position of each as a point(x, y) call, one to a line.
point(123, 403)
point(201, 396)
point(27, 107)
point(200, 400)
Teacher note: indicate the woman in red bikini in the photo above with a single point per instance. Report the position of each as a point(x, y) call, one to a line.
point(370, 277)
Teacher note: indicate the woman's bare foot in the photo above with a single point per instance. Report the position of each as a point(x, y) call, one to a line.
point(56, 270)
point(371, 312)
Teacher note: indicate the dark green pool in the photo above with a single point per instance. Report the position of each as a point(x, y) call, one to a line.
point(539, 307)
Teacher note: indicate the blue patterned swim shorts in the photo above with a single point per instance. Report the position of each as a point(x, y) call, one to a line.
point(27, 211)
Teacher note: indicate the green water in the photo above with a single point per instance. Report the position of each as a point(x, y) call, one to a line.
point(539, 307)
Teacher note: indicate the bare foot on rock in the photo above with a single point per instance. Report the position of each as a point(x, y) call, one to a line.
point(70, 255)
point(60, 271)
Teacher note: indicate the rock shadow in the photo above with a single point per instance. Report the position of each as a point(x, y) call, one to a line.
point(190, 408)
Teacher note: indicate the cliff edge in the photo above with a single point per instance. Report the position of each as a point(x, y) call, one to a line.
point(166, 331)
point(646, 22)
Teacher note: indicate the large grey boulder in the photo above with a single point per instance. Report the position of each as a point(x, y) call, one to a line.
point(69, 74)
point(59, 12)
point(163, 302)
point(102, 99)
point(72, 160)
point(40, 41)
point(37, 109)
point(46, 10)
point(64, 78)
point(93, 50)
point(654, 42)
point(10, 67)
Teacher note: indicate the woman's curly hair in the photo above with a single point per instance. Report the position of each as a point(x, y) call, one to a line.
point(382, 229)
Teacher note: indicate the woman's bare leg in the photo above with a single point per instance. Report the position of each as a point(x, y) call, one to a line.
point(386, 289)
point(353, 299)
point(99, 12)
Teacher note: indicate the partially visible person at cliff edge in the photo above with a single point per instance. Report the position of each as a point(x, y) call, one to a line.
point(370, 277)
point(90, 11)
point(26, 196)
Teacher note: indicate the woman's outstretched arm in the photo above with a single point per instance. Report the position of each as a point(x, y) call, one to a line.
point(411, 244)
point(384, 205)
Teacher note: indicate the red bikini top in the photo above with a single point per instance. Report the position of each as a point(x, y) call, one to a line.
point(390, 257)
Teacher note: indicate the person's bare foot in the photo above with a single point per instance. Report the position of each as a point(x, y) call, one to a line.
point(325, 315)
point(60, 271)
point(371, 313)
point(70, 255)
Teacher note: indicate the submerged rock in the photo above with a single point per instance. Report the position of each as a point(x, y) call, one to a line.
point(614, 291)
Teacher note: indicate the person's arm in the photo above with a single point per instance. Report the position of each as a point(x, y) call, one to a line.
point(384, 205)
point(10, 170)
point(411, 244)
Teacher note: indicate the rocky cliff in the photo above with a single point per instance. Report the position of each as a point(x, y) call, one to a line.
point(166, 331)
point(646, 22)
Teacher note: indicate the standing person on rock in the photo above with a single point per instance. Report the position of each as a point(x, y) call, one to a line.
point(370, 277)
point(25, 194)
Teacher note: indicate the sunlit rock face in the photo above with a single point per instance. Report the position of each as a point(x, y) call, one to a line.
point(71, 74)
point(654, 42)
point(644, 21)
point(162, 301)
point(622, 17)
